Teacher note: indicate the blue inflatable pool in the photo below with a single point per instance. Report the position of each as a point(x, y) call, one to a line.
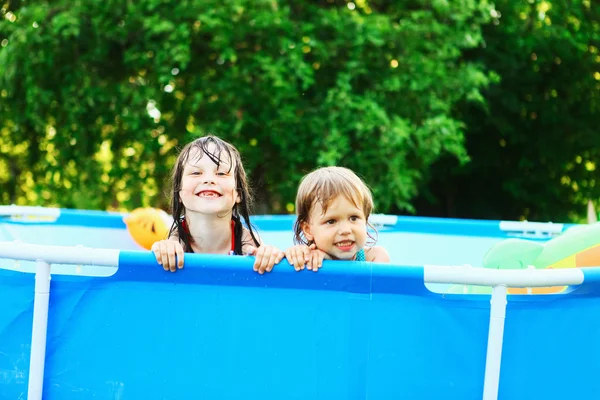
point(217, 330)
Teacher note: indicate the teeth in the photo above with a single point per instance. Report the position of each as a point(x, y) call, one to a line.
point(208, 194)
point(343, 244)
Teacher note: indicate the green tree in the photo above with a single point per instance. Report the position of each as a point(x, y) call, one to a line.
point(535, 146)
point(97, 95)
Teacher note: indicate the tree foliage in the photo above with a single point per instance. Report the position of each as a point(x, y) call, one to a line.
point(96, 96)
point(465, 108)
point(535, 146)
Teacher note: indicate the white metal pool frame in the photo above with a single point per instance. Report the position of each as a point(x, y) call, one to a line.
point(499, 280)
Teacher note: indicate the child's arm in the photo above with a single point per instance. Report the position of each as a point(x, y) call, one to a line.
point(377, 254)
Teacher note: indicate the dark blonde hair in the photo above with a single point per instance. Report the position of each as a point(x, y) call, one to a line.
point(220, 152)
point(323, 186)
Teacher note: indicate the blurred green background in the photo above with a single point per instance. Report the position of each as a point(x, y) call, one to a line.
point(466, 108)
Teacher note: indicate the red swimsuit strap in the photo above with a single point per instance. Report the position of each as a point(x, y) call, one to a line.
point(187, 230)
point(185, 227)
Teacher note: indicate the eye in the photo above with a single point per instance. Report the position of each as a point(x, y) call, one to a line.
point(330, 222)
point(221, 173)
point(195, 173)
point(354, 218)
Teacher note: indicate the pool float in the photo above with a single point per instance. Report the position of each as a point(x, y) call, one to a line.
point(578, 247)
point(148, 225)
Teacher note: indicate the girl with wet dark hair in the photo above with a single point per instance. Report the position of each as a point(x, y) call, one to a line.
point(210, 197)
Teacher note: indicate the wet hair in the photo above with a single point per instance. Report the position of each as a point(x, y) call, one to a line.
point(324, 185)
point(218, 151)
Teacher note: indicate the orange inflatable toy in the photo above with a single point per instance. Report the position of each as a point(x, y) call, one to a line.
point(148, 225)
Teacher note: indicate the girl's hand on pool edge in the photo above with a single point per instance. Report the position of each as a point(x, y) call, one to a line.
point(266, 257)
point(169, 254)
point(301, 256)
point(316, 259)
point(298, 256)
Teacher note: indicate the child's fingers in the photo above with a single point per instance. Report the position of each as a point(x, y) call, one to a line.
point(265, 261)
point(272, 261)
point(156, 250)
point(293, 258)
point(306, 253)
point(157, 253)
point(288, 257)
point(263, 254)
point(300, 260)
point(179, 252)
point(172, 262)
point(257, 260)
point(310, 264)
point(317, 261)
point(164, 256)
point(165, 252)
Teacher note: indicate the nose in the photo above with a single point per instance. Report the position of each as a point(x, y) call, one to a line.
point(209, 178)
point(344, 228)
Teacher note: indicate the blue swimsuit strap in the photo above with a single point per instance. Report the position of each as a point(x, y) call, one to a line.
point(360, 256)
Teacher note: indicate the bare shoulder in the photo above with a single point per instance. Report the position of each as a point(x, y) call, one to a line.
point(377, 254)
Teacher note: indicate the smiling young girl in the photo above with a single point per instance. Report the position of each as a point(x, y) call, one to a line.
point(210, 196)
point(333, 206)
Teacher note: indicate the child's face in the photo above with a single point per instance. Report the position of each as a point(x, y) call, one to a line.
point(207, 189)
point(340, 232)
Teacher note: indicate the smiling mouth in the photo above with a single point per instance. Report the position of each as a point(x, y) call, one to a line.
point(208, 194)
point(345, 245)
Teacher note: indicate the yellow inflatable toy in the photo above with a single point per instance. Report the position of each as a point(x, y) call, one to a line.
point(148, 225)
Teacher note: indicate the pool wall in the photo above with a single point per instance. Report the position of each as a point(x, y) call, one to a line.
point(217, 330)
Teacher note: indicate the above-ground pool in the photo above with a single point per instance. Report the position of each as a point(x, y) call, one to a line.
point(218, 330)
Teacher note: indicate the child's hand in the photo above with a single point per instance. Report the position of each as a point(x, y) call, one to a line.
point(298, 256)
point(301, 255)
point(165, 252)
point(266, 257)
